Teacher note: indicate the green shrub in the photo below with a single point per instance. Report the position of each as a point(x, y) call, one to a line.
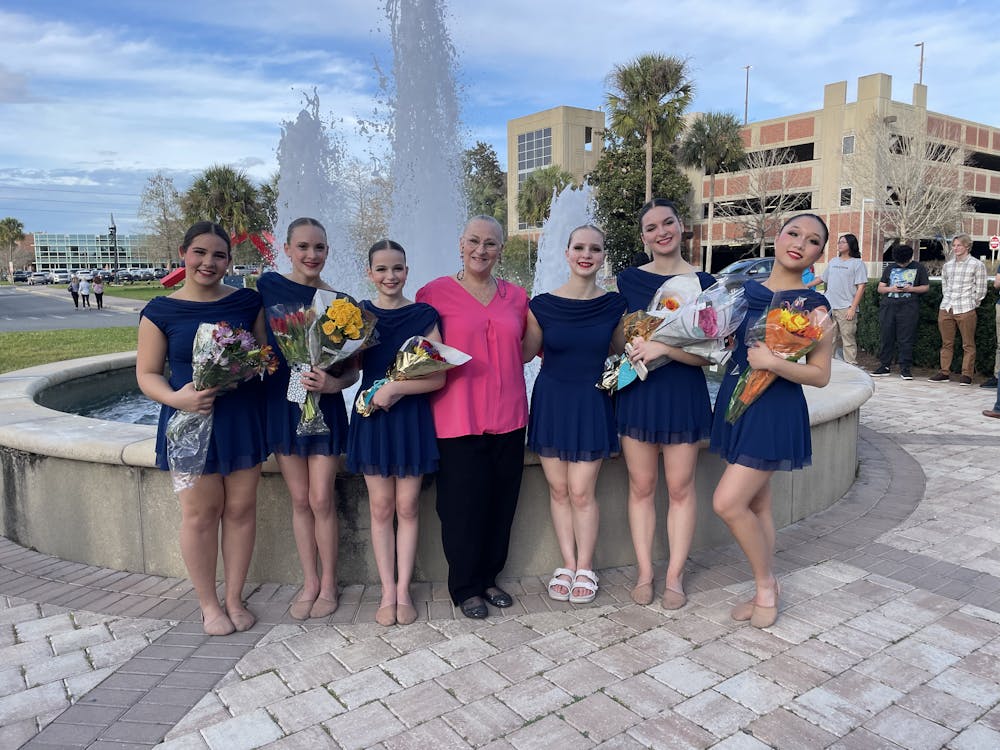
point(927, 348)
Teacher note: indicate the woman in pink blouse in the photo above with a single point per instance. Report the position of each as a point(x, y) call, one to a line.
point(480, 417)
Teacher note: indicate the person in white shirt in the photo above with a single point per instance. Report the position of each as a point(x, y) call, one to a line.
point(845, 277)
point(963, 286)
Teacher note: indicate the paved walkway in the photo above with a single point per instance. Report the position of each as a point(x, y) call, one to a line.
point(889, 637)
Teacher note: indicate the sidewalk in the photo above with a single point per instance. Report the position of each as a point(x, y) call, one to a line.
point(889, 637)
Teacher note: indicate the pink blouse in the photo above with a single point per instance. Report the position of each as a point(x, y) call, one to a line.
point(485, 395)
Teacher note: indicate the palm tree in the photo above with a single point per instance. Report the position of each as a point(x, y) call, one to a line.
point(648, 97)
point(712, 143)
point(534, 196)
point(227, 196)
point(11, 232)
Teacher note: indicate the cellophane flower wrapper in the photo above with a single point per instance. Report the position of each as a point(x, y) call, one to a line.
point(222, 357)
point(618, 370)
point(702, 324)
point(787, 329)
point(417, 358)
point(332, 328)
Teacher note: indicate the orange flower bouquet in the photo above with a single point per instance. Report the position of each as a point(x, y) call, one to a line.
point(787, 329)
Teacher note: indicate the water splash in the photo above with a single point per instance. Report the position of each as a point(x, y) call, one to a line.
point(428, 206)
point(310, 162)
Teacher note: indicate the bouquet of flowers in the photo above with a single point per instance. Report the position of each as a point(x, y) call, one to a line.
point(331, 329)
point(700, 324)
point(418, 357)
point(618, 370)
point(787, 329)
point(223, 357)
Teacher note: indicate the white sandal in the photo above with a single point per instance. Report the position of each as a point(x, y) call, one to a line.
point(557, 581)
point(590, 586)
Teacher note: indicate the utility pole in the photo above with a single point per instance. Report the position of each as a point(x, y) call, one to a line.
point(746, 95)
point(920, 79)
point(113, 237)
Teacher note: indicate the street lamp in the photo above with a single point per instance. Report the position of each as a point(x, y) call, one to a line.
point(113, 240)
point(861, 231)
point(746, 95)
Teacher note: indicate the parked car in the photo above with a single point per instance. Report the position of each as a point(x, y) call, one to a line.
point(123, 276)
point(39, 277)
point(757, 269)
point(21, 275)
point(159, 273)
point(143, 274)
point(60, 277)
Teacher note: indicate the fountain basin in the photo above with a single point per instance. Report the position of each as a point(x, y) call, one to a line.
point(87, 489)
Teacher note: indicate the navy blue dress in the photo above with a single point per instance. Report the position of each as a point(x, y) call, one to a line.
point(672, 405)
point(399, 442)
point(283, 415)
point(571, 419)
point(773, 433)
point(237, 423)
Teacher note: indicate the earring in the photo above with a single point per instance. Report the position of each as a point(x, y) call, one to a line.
point(461, 274)
point(500, 272)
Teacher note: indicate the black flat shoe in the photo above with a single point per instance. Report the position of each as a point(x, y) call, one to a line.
point(475, 608)
point(498, 597)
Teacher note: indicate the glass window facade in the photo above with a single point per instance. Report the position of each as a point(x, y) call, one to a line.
point(534, 150)
point(57, 252)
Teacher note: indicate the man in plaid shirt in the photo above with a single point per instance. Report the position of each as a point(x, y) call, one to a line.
point(963, 286)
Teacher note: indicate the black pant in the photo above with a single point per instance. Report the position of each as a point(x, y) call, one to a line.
point(898, 323)
point(477, 487)
point(100, 300)
point(76, 298)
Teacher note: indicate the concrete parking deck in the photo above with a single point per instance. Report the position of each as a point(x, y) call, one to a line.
point(889, 637)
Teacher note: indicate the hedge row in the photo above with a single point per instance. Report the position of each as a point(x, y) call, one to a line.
point(926, 351)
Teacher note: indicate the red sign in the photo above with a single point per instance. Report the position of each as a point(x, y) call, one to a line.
point(994, 243)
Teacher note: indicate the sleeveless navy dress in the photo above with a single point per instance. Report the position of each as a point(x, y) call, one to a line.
point(773, 433)
point(237, 440)
point(672, 405)
point(283, 415)
point(571, 419)
point(399, 442)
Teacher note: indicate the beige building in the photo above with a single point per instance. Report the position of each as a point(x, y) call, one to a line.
point(821, 145)
point(568, 137)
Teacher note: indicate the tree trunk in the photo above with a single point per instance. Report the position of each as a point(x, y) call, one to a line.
point(649, 163)
point(711, 216)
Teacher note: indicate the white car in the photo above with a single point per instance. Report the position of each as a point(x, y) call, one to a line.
point(60, 277)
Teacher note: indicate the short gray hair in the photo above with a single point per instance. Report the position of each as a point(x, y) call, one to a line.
point(497, 226)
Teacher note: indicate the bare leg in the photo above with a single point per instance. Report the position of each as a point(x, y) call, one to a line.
point(201, 511)
point(586, 514)
point(239, 529)
point(642, 462)
point(741, 495)
point(295, 471)
point(382, 507)
point(679, 463)
point(407, 532)
point(322, 501)
point(557, 475)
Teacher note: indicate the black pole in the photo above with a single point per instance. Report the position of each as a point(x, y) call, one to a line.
point(113, 237)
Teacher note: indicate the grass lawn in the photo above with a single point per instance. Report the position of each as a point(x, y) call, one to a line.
point(141, 291)
point(29, 348)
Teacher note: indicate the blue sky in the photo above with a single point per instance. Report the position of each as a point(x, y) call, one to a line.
point(96, 96)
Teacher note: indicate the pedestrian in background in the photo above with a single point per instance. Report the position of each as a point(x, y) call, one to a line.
point(74, 290)
point(85, 292)
point(901, 285)
point(963, 286)
point(845, 277)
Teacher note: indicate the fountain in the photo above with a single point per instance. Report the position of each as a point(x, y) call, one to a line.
point(87, 489)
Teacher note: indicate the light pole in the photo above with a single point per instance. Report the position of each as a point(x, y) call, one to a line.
point(746, 96)
point(113, 241)
point(920, 78)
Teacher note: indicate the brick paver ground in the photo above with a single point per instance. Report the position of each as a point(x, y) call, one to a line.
point(889, 637)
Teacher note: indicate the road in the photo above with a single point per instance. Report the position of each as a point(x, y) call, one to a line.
point(24, 308)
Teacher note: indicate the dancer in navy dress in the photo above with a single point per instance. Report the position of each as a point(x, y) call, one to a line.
point(396, 445)
point(670, 413)
point(773, 434)
point(308, 463)
point(571, 425)
point(226, 493)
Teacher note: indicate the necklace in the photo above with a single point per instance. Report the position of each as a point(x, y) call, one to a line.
point(484, 293)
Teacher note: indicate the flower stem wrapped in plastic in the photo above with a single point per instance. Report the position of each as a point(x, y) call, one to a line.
point(222, 357)
point(788, 330)
point(418, 357)
point(618, 370)
point(331, 329)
